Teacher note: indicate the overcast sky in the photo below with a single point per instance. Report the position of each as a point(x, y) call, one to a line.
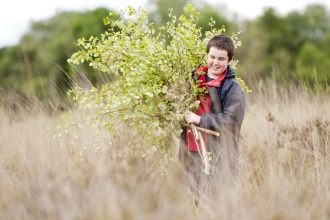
point(17, 15)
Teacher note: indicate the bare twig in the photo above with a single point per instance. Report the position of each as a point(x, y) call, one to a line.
point(207, 131)
point(205, 158)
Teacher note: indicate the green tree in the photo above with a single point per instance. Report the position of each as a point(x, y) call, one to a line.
point(275, 46)
point(313, 64)
point(219, 16)
point(158, 11)
point(37, 65)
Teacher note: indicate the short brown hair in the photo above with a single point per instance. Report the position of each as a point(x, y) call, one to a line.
point(222, 42)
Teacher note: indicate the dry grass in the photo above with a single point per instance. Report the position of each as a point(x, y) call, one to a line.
point(285, 168)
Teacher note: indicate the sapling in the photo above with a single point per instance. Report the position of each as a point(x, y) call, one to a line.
point(147, 64)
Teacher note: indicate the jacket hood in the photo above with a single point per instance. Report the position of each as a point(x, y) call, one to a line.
point(230, 73)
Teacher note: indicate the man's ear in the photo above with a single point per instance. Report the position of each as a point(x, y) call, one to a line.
point(230, 61)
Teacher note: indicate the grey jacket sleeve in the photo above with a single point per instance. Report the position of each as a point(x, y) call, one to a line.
point(233, 109)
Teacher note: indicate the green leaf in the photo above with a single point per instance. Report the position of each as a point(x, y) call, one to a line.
point(149, 94)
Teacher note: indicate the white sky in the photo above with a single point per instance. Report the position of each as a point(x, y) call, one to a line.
point(16, 15)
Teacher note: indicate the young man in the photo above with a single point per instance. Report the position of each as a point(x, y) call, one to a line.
point(222, 110)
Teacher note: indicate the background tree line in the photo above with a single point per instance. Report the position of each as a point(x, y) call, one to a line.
point(290, 48)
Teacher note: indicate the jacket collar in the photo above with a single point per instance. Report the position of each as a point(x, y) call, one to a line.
point(216, 82)
point(229, 73)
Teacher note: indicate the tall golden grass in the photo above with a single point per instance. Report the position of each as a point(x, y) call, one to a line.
point(284, 167)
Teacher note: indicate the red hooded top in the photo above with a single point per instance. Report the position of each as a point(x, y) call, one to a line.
point(203, 108)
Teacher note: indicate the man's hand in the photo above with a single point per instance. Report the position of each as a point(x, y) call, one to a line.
point(192, 118)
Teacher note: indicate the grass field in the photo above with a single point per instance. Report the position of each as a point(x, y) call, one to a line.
point(284, 167)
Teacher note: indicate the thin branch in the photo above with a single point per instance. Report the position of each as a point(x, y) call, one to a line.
point(207, 131)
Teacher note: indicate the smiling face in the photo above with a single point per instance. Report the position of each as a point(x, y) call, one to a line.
point(217, 62)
